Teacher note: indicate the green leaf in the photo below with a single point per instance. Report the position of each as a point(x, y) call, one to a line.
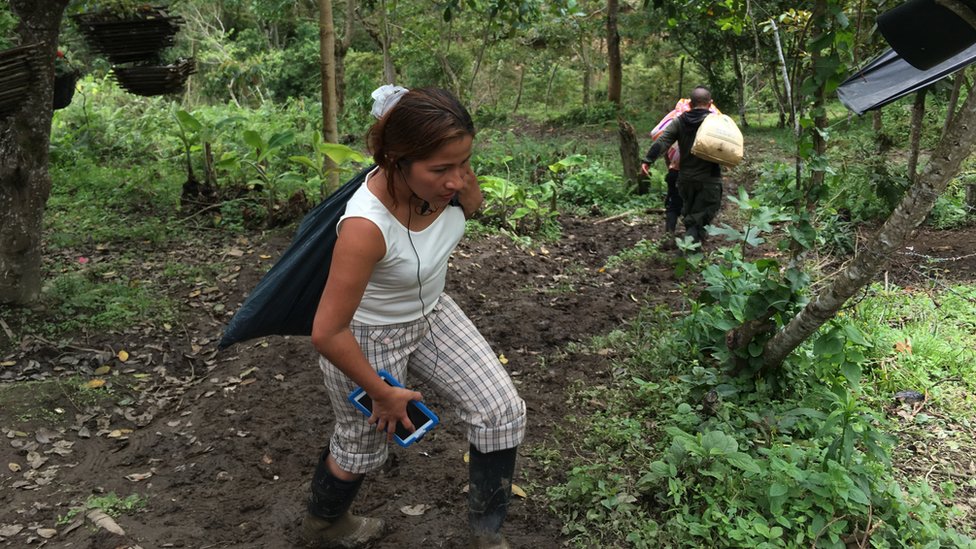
point(743, 461)
point(281, 139)
point(778, 489)
point(717, 443)
point(340, 154)
point(188, 121)
point(305, 161)
point(851, 371)
point(253, 139)
point(828, 344)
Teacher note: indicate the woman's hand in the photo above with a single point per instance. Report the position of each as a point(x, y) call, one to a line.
point(470, 195)
point(390, 408)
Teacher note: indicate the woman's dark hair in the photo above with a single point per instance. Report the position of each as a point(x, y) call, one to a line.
point(420, 123)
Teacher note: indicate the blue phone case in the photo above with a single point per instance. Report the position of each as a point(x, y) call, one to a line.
point(422, 430)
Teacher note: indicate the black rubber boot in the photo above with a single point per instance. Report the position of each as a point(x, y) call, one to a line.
point(490, 488)
point(671, 223)
point(328, 522)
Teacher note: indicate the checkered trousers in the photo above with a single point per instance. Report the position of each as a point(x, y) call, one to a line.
point(450, 356)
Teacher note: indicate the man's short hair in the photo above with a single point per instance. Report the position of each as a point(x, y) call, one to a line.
point(701, 97)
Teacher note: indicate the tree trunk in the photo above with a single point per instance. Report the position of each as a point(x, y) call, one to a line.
point(481, 55)
point(819, 110)
point(327, 58)
point(587, 69)
point(786, 78)
point(615, 69)
point(389, 70)
point(630, 155)
point(918, 116)
point(521, 84)
point(681, 79)
point(953, 100)
point(341, 49)
point(25, 183)
point(945, 162)
point(740, 85)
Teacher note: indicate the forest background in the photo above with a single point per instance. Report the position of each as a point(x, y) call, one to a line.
point(765, 407)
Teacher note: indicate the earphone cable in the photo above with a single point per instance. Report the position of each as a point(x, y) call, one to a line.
point(420, 293)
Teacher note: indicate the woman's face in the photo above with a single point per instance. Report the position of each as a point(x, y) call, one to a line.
point(438, 178)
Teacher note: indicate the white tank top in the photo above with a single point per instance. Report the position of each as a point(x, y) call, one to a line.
point(393, 294)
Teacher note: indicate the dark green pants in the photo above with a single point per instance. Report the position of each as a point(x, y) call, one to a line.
point(701, 201)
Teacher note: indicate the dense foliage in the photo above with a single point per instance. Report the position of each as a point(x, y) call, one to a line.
point(697, 445)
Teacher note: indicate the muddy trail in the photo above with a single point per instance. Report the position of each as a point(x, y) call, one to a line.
point(219, 447)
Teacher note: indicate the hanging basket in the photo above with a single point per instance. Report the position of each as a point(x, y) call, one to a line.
point(18, 70)
point(138, 36)
point(152, 80)
point(64, 89)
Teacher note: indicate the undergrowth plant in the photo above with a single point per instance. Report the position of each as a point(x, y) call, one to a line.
point(694, 445)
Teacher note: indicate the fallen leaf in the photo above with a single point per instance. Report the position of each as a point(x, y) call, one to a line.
point(904, 347)
point(502, 359)
point(518, 491)
point(262, 256)
point(467, 457)
point(47, 533)
point(102, 370)
point(8, 363)
point(95, 383)
point(10, 530)
point(136, 477)
point(14, 467)
point(105, 522)
point(123, 356)
point(415, 510)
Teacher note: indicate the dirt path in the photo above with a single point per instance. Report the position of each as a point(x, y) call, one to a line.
point(222, 446)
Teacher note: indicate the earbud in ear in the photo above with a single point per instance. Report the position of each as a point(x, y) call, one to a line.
point(425, 207)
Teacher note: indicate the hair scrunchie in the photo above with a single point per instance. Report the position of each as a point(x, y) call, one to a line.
point(384, 98)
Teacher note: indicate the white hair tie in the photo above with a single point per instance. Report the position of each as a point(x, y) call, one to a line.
point(384, 98)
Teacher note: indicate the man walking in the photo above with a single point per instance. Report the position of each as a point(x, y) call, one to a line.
point(699, 181)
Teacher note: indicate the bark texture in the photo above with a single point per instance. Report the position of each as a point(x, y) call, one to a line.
point(24, 180)
point(614, 65)
point(944, 164)
point(629, 157)
point(330, 105)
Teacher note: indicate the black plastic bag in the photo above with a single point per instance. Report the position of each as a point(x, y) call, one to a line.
point(285, 300)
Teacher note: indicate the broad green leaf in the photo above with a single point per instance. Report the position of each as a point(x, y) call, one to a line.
point(253, 139)
point(717, 443)
point(340, 154)
point(852, 372)
point(281, 139)
point(743, 461)
point(305, 161)
point(778, 489)
point(188, 121)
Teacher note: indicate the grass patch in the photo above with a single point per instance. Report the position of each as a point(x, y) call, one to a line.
point(110, 504)
point(680, 454)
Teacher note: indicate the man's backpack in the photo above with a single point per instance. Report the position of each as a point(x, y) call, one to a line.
point(718, 140)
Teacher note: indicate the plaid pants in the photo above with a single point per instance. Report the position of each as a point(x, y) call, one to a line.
point(450, 356)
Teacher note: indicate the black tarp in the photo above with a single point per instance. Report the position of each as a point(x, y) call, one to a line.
point(889, 77)
point(285, 300)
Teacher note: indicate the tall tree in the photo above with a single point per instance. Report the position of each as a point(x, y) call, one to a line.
point(24, 180)
point(330, 105)
point(614, 67)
